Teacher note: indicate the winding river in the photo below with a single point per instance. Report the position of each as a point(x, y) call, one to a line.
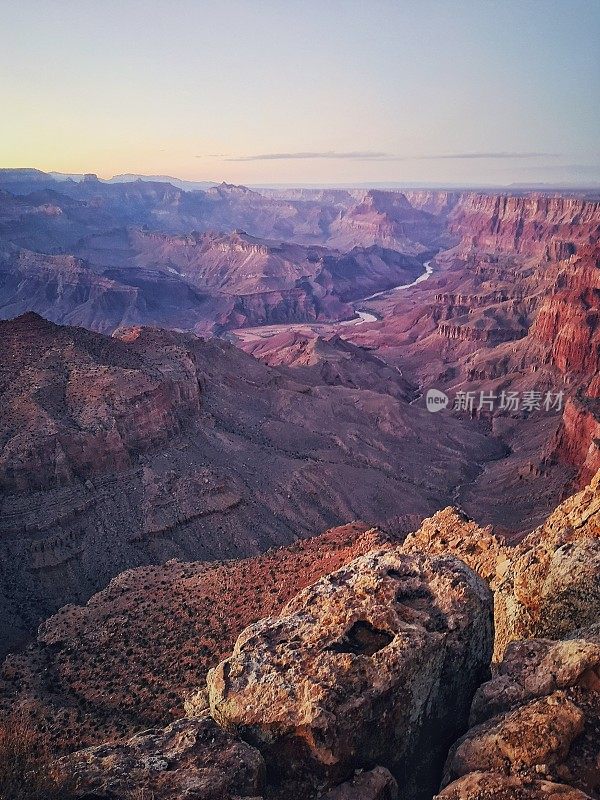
point(266, 331)
point(364, 316)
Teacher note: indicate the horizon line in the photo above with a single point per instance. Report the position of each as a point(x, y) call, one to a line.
point(59, 177)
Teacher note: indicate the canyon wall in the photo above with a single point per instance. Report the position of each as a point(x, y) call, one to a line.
point(531, 225)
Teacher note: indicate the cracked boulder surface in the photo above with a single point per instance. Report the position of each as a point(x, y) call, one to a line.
point(535, 726)
point(192, 758)
point(373, 664)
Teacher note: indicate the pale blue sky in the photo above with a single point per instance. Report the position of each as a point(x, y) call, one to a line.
point(465, 91)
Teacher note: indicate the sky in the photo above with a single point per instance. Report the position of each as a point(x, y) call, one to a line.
point(304, 91)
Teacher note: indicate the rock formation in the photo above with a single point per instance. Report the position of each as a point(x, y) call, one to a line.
point(552, 583)
point(545, 586)
point(534, 726)
point(450, 531)
point(577, 441)
point(102, 404)
point(548, 227)
point(363, 667)
point(193, 757)
point(386, 219)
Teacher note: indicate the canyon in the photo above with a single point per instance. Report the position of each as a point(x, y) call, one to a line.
point(332, 412)
point(216, 455)
point(195, 383)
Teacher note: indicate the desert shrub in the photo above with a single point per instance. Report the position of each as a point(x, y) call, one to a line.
point(27, 770)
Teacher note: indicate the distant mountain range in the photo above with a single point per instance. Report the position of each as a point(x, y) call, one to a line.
point(585, 187)
point(187, 186)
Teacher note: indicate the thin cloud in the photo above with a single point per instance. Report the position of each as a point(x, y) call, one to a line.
point(329, 154)
point(373, 155)
point(494, 155)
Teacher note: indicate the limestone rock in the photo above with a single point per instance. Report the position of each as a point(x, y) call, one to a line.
point(191, 758)
point(535, 668)
point(450, 531)
point(539, 733)
point(536, 725)
point(488, 786)
point(375, 663)
point(553, 583)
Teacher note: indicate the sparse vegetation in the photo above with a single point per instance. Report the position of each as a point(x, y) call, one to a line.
point(27, 770)
point(165, 627)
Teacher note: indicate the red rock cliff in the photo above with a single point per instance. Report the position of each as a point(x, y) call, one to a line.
point(532, 225)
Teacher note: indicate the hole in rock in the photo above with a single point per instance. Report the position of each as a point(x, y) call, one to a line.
point(405, 572)
point(362, 639)
point(412, 596)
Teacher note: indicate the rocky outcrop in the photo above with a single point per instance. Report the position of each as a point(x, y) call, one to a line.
point(386, 219)
point(552, 584)
point(490, 786)
point(545, 586)
point(452, 532)
point(75, 406)
point(568, 329)
point(307, 302)
point(483, 331)
point(534, 725)
point(568, 321)
point(438, 202)
point(363, 667)
point(193, 757)
point(570, 325)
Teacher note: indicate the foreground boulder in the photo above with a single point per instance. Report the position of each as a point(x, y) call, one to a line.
point(483, 786)
point(191, 758)
point(553, 582)
point(374, 664)
point(536, 725)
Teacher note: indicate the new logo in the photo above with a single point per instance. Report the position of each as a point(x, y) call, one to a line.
point(436, 400)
